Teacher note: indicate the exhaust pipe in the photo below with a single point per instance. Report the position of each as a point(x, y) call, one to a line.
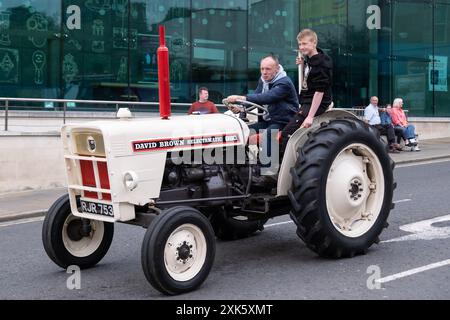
point(163, 75)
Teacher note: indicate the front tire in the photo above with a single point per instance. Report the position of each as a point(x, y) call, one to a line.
point(66, 244)
point(178, 250)
point(342, 189)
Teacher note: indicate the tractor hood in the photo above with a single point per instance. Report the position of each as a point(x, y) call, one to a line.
point(125, 137)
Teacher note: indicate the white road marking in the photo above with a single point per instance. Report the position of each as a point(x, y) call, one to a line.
point(22, 221)
point(277, 224)
point(424, 230)
point(413, 271)
point(403, 200)
point(420, 163)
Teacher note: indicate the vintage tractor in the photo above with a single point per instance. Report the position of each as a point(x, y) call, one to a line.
point(188, 179)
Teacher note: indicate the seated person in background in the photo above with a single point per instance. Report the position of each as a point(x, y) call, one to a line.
point(386, 119)
point(372, 117)
point(400, 123)
point(203, 105)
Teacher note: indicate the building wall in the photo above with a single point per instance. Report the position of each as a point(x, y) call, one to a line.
point(31, 162)
point(106, 49)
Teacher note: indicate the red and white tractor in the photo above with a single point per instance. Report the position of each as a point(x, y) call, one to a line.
point(335, 180)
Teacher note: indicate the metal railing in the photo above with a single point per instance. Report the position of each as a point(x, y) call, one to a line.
point(7, 102)
point(358, 111)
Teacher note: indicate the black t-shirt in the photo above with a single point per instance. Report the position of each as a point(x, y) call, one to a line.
point(318, 73)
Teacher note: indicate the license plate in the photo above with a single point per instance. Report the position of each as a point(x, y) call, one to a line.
point(97, 208)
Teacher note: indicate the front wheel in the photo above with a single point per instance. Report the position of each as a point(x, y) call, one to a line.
point(342, 189)
point(69, 240)
point(178, 250)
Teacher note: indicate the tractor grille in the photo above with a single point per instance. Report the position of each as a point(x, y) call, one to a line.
point(88, 169)
point(89, 178)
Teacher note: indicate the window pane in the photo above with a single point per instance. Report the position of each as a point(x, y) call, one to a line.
point(273, 28)
point(95, 56)
point(146, 16)
point(29, 49)
point(440, 76)
point(219, 53)
point(412, 51)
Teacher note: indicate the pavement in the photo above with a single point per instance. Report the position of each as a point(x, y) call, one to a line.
point(35, 203)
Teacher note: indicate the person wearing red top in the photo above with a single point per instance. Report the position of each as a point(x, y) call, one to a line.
point(401, 123)
point(203, 105)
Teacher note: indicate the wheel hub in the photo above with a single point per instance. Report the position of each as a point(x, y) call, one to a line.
point(184, 252)
point(356, 189)
point(74, 230)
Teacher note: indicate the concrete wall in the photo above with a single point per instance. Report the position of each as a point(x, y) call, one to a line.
point(431, 128)
point(30, 161)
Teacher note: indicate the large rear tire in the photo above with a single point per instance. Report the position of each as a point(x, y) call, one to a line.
point(65, 241)
point(342, 189)
point(178, 250)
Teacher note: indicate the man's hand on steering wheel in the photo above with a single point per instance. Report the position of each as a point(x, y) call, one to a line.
point(234, 107)
point(240, 104)
point(234, 98)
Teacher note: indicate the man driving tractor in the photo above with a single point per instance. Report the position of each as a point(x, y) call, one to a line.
point(276, 91)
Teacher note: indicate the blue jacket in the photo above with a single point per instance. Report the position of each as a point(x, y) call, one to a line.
point(385, 118)
point(281, 98)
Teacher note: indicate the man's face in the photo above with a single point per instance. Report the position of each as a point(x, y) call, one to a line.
point(374, 101)
point(306, 45)
point(269, 69)
point(203, 95)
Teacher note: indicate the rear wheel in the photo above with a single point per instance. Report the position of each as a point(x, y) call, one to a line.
point(178, 250)
point(69, 240)
point(342, 189)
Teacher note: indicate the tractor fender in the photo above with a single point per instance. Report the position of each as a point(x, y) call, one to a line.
point(297, 140)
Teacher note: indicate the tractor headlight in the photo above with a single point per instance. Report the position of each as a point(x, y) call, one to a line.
point(130, 180)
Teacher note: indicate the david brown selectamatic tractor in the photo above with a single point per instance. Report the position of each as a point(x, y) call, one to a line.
point(335, 180)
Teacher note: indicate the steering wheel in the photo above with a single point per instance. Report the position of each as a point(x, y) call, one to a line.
point(245, 106)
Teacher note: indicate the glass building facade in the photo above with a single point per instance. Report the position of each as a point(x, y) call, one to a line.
point(106, 49)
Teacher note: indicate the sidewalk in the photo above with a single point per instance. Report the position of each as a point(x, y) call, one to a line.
point(30, 204)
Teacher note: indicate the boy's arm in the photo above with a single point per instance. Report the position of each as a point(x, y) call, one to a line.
point(320, 84)
point(317, 100)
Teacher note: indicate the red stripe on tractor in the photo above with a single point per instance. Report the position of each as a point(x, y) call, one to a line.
point(88, 177)
point(104, 179)
point(87, 174)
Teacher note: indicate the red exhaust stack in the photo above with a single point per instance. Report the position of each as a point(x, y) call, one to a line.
point(163, 75)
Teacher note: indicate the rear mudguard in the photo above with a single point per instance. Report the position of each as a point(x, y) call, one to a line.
point(298, 139)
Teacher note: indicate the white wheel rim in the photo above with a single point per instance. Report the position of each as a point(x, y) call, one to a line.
point(355, 190)
point(185, 252)
point(87, 245)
